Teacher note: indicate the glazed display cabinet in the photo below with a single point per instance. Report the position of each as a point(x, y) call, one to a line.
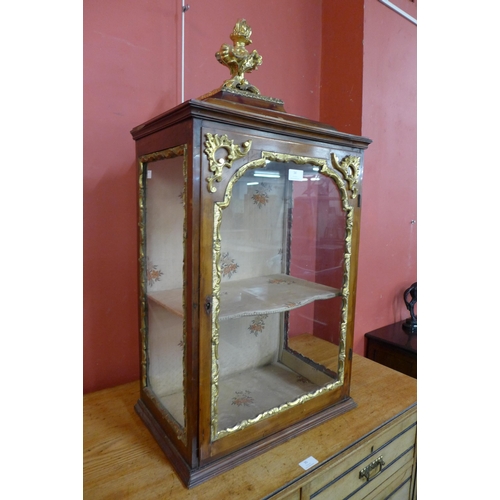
point(248, 237)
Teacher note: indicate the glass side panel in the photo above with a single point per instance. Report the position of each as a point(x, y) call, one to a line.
point(165, 219)
point(282, 268)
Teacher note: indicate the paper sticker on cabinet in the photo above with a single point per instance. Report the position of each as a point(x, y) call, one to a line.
point(295, 175)
point(308, 463)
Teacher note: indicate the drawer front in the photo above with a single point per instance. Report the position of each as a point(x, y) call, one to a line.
point(295, 495)
point(396, 487)
point(393, 357)
point(402, 493)
point(361, 473)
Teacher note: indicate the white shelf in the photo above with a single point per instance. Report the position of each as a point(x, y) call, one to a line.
point(253, 296)
point(269, 294)
point(169, 299)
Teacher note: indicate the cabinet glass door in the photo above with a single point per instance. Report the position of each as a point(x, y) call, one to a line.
point(279, 273)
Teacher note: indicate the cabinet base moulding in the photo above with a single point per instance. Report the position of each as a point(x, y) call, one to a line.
point(194, 476)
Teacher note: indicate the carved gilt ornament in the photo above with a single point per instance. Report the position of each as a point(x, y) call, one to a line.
point(238, 59)
point(213, 144)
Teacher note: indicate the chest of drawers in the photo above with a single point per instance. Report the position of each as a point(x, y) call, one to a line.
point(381, 465)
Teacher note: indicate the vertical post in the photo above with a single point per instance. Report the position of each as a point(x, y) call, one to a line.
point(185, 8)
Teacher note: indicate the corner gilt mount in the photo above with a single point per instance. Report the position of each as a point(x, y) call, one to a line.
point(216, 162)
point(349, 167)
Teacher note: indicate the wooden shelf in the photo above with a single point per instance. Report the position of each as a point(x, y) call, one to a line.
point(270, 294)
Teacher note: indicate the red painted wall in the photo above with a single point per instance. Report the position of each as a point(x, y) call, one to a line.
point(388, 243)
point(342, 65)
point(368, 87)
point(362, 53)
point(129, 57)
point(286, 34)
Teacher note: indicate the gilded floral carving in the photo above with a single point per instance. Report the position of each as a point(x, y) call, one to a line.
point(216, 163)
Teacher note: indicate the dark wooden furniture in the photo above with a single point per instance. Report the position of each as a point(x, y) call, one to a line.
point(121, 459)
point(393, 347)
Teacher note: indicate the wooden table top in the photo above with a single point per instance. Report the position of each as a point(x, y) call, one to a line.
point(121, 460)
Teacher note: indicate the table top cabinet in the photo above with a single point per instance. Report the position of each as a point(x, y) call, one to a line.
point(248, 236)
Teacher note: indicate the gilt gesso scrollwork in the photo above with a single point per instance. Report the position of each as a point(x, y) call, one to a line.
point(346, 175)
point(213, 144)
point(350, 168)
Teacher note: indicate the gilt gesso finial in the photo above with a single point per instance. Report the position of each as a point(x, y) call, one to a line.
point(238, 59)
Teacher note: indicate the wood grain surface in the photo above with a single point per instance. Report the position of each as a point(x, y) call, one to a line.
point(122, 460)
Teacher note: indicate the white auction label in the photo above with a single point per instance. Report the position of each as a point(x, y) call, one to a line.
point(150, 174)
point(308, 463)
point(295, 175)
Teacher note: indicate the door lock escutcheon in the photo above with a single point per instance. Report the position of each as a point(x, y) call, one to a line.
point(208, 305)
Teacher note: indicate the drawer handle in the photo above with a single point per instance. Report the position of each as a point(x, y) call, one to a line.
point(373, 469)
